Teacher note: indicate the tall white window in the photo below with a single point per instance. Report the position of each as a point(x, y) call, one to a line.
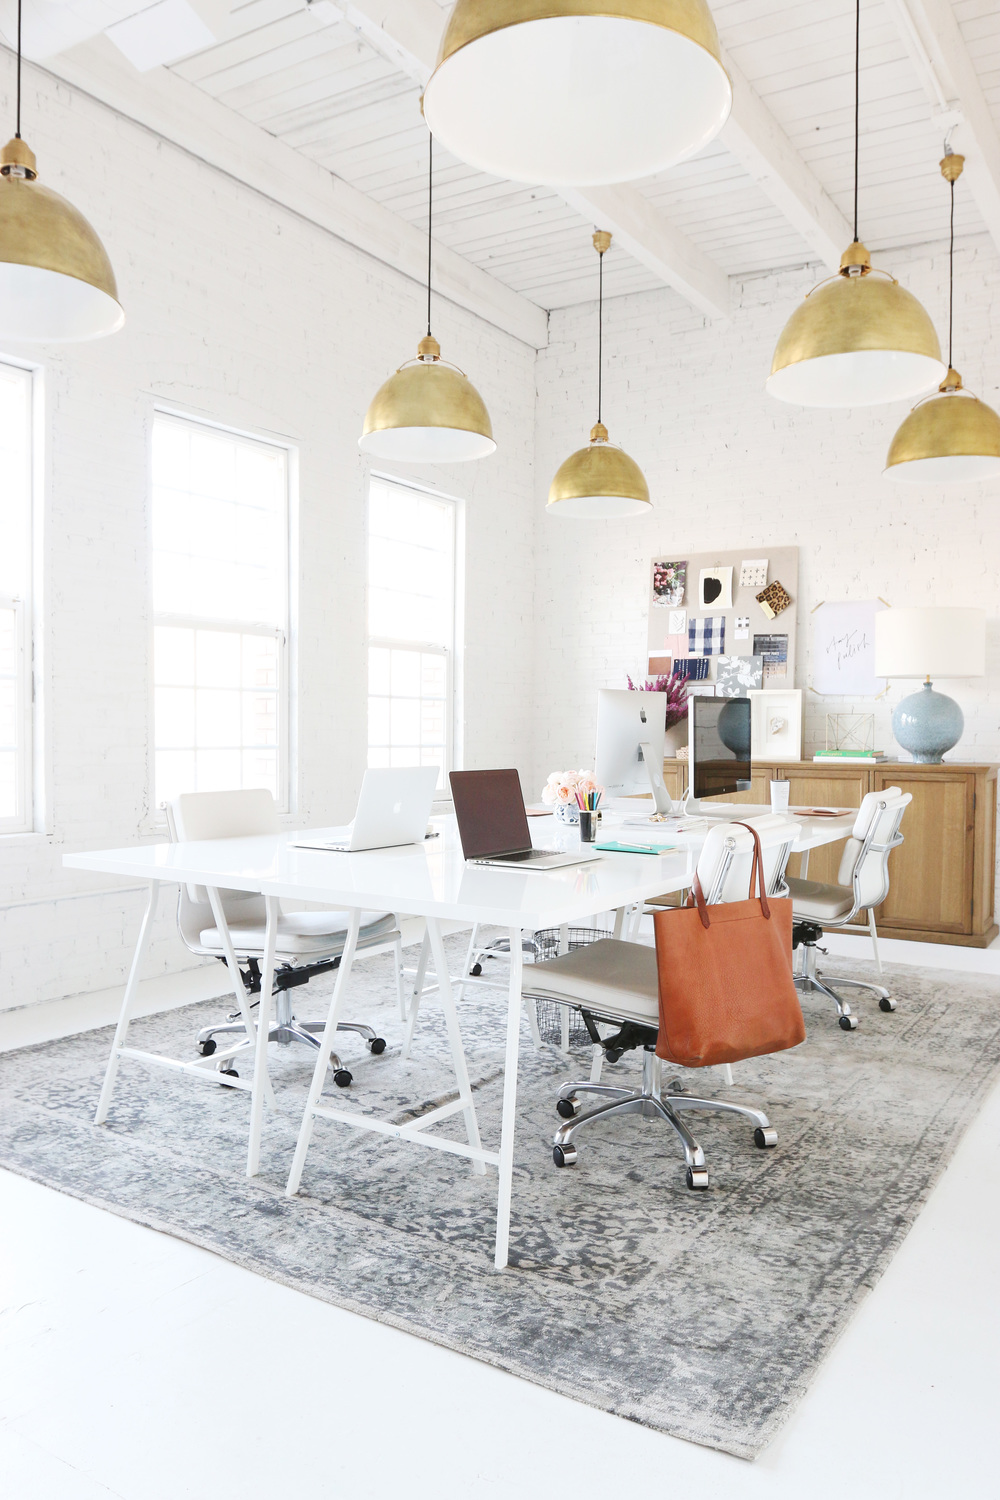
point(411, 627)
point(15, 580)
point(220, 610)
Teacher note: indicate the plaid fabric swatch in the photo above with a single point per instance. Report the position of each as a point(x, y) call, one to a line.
point(707, 637)
point(692, 668)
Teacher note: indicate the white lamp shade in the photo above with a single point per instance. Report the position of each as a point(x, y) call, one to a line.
point(47, 307)
point(578, 99)
point(427, 445)
point(930, 643)
point(598, 507)
point(863, 377)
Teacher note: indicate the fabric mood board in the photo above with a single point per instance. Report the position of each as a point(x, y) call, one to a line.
point(725, 617)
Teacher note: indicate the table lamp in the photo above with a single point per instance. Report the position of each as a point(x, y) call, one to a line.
point(926, 643)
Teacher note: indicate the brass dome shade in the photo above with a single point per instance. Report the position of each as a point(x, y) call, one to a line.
point(857, 339)
point(428, 412)
point(56, 281)
point(952, 436)
point(578, 91)
point(599, 483)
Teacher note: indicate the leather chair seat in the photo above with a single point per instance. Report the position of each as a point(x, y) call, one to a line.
point(609, 977)
point(817, 902)
point(302, 932)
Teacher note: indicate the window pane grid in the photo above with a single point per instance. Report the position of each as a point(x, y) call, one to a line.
point(219, 592)
point(15, 574)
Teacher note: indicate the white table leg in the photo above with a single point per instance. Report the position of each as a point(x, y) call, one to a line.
point(128, 1001)
point(261, 1082)
point(508, 1122)
point(473, 940)
point(619, 921)
point(418, 989)
point(323, 1056)
point(804, 864)
point(455, 1038)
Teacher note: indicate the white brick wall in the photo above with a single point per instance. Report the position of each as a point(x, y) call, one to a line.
point(247, 314)
point(730, 467)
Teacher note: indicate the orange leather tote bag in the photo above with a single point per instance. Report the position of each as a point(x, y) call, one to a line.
point(725, 977)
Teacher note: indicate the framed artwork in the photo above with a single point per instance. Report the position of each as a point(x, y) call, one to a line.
point(715, 588)
point(735, 676)
point(669, 583)
point(776, 724)
point(843, 650)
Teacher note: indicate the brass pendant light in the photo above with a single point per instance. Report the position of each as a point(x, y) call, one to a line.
point(858, 338)
point(56, 281)
point(599, 482)
point(951, 435)
point(429, 412)
point(578, 91)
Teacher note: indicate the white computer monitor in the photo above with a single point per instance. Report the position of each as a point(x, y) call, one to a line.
point(630, 734)
point(718, 747)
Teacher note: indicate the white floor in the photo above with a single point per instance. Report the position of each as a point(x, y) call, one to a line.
point(135, 1366)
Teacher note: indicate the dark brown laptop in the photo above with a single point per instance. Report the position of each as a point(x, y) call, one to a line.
point(493, 825)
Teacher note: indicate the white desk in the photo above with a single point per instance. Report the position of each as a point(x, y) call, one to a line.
point(430, 881)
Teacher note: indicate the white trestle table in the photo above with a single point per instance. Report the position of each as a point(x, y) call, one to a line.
point(432, 881)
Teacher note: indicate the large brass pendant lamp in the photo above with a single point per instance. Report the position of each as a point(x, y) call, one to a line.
point(56, 281)
point(951, 435)
point(429, 412)
point(578, 91)
point(599, 482)
point(859, 338)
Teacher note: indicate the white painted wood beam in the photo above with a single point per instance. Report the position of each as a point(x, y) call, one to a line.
point(184, 114)
point(760, 144)
point(934, 40)
point(408, 32)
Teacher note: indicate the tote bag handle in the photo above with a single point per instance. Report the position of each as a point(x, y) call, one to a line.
point(756, 882)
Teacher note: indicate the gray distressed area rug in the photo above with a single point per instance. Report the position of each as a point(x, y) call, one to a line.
point(704, 1315)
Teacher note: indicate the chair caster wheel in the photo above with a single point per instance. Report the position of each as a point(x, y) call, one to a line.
point(848, 1023)
point(567, 1109)
point(476, 970)
point(342, 1078)
point(765, 1138)
point(377, 1046)
point(697, 1177)
point(886, 1002)
point(228, 1073)
point(564, 1156)
point(612, 1054)
point(207, 1047)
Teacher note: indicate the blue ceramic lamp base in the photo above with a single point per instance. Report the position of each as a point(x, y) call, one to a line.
point(927, 724)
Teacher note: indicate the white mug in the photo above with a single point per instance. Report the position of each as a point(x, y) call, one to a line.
point(779, 796)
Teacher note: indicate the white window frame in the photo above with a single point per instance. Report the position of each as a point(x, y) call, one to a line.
point(278, 633)
point(452, 653)
point(23, 818)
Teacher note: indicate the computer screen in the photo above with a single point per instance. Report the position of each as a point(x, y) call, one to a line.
point(489, 810)
point(625, 721)
point(719, 746)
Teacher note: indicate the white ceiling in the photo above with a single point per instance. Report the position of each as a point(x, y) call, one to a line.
point(310, 77)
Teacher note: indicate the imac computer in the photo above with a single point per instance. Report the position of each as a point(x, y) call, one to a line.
point(718, 749)
point(629, 758)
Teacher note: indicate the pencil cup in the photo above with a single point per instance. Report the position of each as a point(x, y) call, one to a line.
point(588, 826)
point(779, 796)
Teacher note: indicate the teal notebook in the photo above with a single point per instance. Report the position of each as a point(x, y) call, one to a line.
point(612, 846)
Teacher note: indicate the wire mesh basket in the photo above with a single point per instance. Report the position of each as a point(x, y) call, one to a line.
point(550, 1015)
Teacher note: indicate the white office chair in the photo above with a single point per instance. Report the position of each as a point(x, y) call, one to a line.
point(616, 982)
point(230, 925)
point(862, 883)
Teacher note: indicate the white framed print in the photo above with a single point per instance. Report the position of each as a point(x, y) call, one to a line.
point(776, 724)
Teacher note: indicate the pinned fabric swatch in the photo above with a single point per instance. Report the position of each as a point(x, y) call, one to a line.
point(774, 599)
point(753, 573)
point(737, 675)
point(741, 627)
point(693, 668)
point(707, 637)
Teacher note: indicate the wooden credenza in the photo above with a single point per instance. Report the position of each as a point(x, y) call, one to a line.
point(941, 878)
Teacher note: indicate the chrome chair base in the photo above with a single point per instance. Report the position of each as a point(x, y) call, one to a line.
point(285, 1029)
point(810, 979)
point(650, 1101)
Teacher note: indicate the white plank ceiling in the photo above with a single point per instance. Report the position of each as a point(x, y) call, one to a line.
point(324, 90)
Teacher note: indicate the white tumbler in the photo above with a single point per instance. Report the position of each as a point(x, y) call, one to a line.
point(779, 796)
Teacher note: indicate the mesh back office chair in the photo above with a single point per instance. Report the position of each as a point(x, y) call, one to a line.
point(613, 981)
point(862, 883)
point(309, 942)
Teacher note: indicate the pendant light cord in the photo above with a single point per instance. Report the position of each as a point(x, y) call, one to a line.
point(857, 105)
point(951, 278)
point(600, 334)
point(430, 216)
point(17, 132)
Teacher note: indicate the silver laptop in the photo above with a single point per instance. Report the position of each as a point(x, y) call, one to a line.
point(493, 824)
point(393, 809)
